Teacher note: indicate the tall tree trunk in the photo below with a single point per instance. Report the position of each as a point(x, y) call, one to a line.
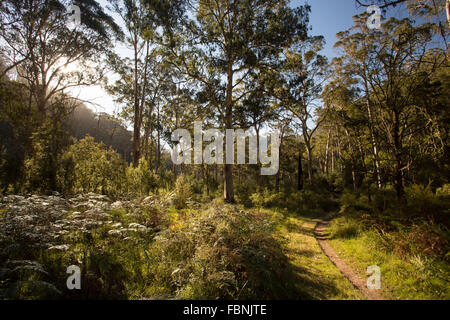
point(327, 151)
point(372, 136)
point(447, 7)
point(41, 104)
point(332, 160)
point(158, 155)
point(342, 167)
point(307, 140)
point(145, 143)
point(228, 168)
point(352, 161)
point(300, 172)
point(136, 120)
point(355, 187)
point(310, 169)
point(398, 160)
point(278, 176)
point(365, 171)
point(206, 178)
point(258, 162)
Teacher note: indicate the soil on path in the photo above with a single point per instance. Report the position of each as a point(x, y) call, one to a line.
point(320, 232)
point(316, 277)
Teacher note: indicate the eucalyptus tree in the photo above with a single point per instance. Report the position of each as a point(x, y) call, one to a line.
point(299, 88)
point(437, 12)
point(255, 111)
point(282, 124)
point(50, 55)
point(356, 62)
point(389, 63)
point(221, 42)
point(140, 77)
point(131, 87)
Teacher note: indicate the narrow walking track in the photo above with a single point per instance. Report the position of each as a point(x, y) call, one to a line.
point(316, 277)
point(320, 234)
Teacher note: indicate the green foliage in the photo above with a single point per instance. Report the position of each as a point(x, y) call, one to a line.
point(422, 201)
point(409, 263)
point(444, 191)
point(222, 253)
point(265, 199)
point(141, 249)
point(419, 227)
point(353, 201)
point(14, 128)
point(244, 192)
point(183, 191)
point(41, 166)
point(21, 280)
point(305, 200)
point(346, 229)
point(141, 180)
point(95, 169)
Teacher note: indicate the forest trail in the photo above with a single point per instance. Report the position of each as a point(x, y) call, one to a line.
point(320, 233)
point(316, 276)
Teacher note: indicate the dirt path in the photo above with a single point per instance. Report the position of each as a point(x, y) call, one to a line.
point(316, 277)
point(320, 234)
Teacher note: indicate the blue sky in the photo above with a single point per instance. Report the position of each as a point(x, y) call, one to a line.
point(329, 17)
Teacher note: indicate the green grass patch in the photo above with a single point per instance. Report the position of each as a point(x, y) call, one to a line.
point(315, 276)
point(403, 276)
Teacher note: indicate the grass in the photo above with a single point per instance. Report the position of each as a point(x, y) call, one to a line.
point(403, 277)
point(315, 275)
point(225, 251)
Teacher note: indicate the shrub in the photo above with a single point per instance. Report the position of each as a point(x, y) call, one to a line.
point(141, 180)
point(423, 202)
point(444, 191)
point(243, 194)
point(353, 201)
point(266, 199)
point(419, 227)
point(345, 229)
point(222, 253)
point(95, 169)
point(183, 191)
point(306, 200)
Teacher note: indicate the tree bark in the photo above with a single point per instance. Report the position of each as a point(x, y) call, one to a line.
point(327, 150)
point(447, 7)
point(300, 172)
point(278, 176)
point(158, 155)
point(372, 136)
point(398, 160)
point(228, 168)
point(307, 140)
point(258, 162)
point(136, 124)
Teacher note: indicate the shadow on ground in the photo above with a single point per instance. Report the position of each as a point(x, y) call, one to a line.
point(314, 275)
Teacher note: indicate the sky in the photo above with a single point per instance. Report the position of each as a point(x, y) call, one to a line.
point(327, 18)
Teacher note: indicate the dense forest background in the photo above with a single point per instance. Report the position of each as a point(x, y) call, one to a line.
point(365, 134)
